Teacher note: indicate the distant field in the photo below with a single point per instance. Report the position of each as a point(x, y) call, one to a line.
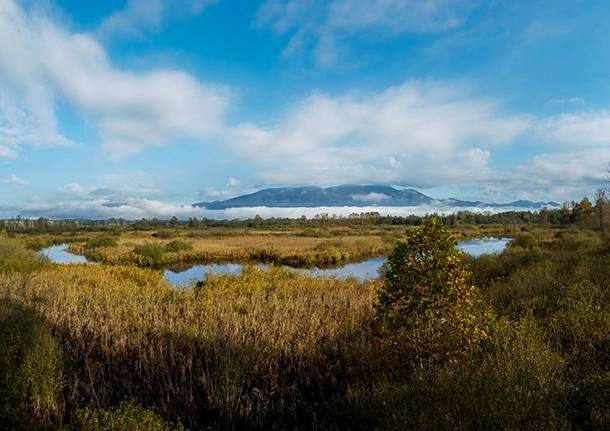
point(295, 246)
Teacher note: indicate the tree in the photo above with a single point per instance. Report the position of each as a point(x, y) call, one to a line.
point(581, 211)
point(601, 207)
point(428, 304)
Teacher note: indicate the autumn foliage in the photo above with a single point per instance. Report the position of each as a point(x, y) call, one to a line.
point(428, 305)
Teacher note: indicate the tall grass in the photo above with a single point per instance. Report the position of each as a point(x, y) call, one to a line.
point(15, 257)
point(260, 349)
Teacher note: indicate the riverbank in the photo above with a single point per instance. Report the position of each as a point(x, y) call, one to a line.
point(295, 247)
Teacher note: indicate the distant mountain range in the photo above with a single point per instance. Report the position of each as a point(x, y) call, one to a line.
point(353, 196)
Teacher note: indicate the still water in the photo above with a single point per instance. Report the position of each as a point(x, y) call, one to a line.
point(364, 270)
point(59, 254)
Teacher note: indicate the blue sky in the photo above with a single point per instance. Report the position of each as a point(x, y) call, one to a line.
point(135, 108)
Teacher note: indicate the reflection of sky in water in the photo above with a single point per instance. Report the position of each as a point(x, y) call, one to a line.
point(58, 254)
point(364, 270)
point(478, 247)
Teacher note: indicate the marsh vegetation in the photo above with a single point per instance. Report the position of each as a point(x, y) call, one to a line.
point(518, 340)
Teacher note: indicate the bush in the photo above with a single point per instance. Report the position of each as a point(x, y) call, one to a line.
point(30, 370)
point(164, 234)
point(151, 252)
point(514, 383)
point(176, 246)
point(524, 240)
point(428, 303)
point(105, 241)
point(128, 416)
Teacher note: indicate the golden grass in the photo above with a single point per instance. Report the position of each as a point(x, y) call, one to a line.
point(281, 249)
point(294, 246)
point(264, 346)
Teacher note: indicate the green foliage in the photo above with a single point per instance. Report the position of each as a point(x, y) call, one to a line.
point(30, 370)
point(164, 234)
point(128, 416)
point(176, 245)
point(428, 303)
point(513, 382)
point(151, 253)
point(14, 257)
point(523, 240)
point(104, 241)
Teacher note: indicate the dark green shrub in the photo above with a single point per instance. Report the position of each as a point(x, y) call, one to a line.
point(128, 416)
point(152, 253)
point(30, 370)
point(511, 383)
point(164, 234)
point(104, 241)
point(176, 246)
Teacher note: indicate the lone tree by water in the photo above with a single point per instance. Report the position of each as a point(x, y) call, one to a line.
point(428, 305)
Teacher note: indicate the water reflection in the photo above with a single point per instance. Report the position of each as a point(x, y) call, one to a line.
point(59, 254)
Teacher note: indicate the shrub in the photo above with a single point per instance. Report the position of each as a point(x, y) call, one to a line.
point(428, 303)
point(104, 241)
point(128, 416)
point(30, 370)
point(524, 240)
point(514, 383)
point(151, 252)
point(164, 234)
point(176, 246)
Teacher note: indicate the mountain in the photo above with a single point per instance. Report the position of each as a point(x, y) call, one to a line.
point(353, 196)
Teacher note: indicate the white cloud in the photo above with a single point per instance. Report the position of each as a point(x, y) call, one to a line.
point(140, 17)
point(132, 209)
point(15, 180)
point(320, 25)
point(232, 182)
point(589, 128)
point(40, 61)
point(420, 133)
point(370, 197)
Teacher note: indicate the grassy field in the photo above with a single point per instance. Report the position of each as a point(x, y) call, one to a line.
point(299, 247)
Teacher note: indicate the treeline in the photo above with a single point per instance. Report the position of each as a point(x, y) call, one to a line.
point(593, 215)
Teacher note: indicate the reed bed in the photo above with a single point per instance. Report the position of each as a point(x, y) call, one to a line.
point(293, 251)
point(266, 347)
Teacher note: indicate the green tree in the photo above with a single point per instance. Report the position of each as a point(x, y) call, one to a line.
point(428, 304)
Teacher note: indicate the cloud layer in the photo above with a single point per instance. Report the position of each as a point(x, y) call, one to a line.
point(43, 64)
point(419, 133)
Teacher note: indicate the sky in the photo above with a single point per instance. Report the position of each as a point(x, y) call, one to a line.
point(139, 108)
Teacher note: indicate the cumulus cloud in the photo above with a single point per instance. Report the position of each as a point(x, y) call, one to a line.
point(586, 128)
point(320, 25)
point(233, 182)
point(15, 181)
point(419, 133)
point(141, 17)
point(41, 61)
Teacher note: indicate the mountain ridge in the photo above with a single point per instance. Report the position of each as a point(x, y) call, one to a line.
point(352, 195)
